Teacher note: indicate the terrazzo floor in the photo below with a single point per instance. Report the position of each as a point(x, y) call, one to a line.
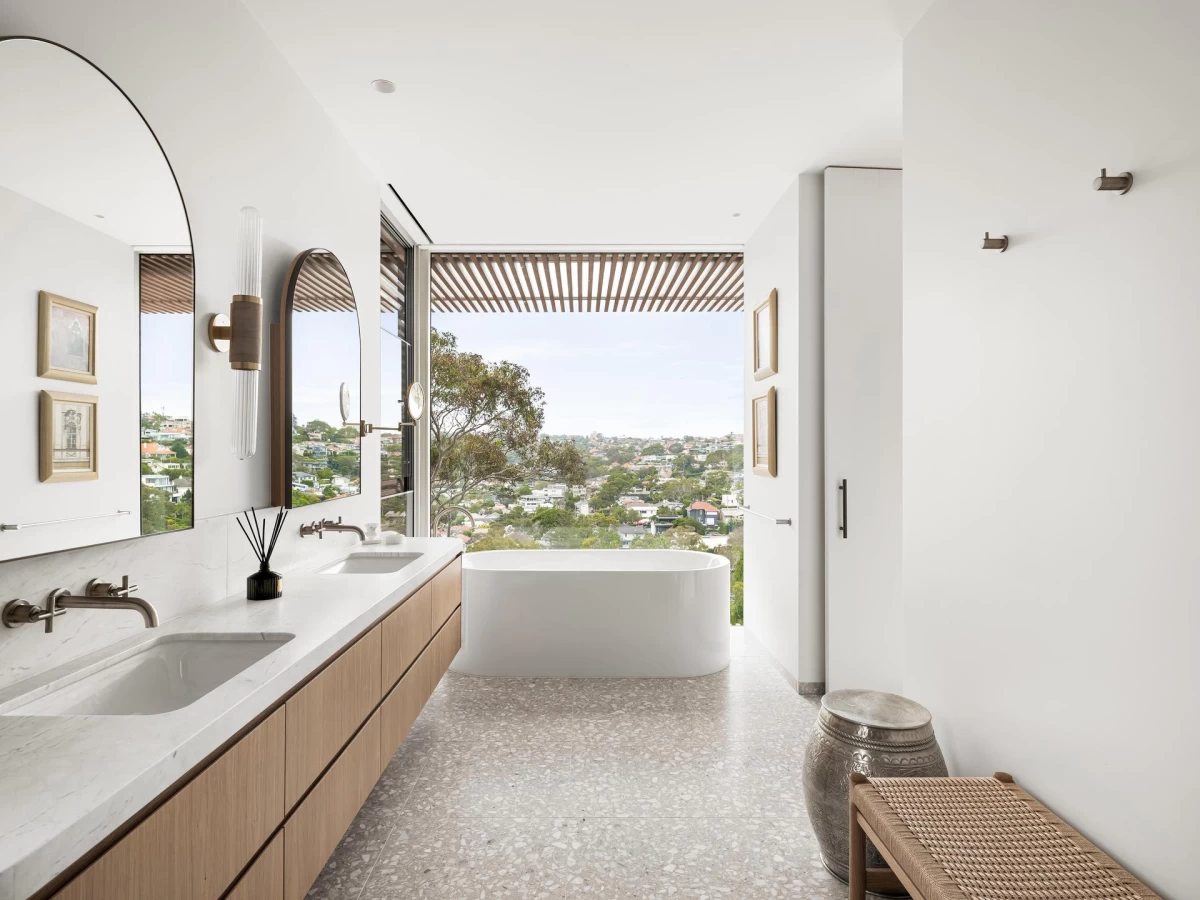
point(613, 789)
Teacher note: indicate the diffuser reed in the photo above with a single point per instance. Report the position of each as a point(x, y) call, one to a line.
point(263, 584)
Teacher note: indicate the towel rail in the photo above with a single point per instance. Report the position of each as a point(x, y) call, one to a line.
point(12, 526)
point(768, 518)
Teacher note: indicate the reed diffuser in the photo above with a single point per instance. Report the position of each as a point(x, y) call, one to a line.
point(263, 584)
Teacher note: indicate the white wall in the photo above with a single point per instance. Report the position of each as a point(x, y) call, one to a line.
point(239, 128)
point(103, 272)
point(1051, 435)
point(784, 566)
point(864, 622)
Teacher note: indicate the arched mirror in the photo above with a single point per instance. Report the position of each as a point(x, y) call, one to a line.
point(96, 307)
point(315, 385)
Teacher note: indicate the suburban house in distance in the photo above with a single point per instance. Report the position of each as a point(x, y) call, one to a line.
point(705, 513)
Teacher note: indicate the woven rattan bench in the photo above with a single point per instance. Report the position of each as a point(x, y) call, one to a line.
point(974, 839)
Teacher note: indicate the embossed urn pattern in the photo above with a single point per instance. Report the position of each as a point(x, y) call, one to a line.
point(838, 747)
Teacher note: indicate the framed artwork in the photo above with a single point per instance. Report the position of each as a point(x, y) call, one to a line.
point(68, 436)
point(766, 337)
point(66, 339)
point(762, 419)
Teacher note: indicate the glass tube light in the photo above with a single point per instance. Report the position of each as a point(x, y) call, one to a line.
point(245, 351)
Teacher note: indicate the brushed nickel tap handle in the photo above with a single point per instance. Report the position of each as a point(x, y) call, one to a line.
point(22, 612)
point(97, 588)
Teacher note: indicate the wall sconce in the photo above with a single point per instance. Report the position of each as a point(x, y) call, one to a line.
point(991, 243)
point(1106, 182)
point(240, 333)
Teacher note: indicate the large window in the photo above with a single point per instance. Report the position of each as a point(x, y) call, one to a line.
point(167, 315)
point(396, 374)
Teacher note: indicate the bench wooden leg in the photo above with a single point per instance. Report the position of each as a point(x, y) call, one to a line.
point(858, 849)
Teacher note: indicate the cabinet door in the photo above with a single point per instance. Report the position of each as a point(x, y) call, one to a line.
point(449, 642)
point(323, 714)
point(312, 832)
point(863, 335)
point(264, 879)
point(193, 846)
point(447, 592)
point(402, 706)
point(405, 634)
point(442, 650)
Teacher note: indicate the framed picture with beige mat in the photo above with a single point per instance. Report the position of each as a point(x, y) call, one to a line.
point(68, 433)
point(762, 418)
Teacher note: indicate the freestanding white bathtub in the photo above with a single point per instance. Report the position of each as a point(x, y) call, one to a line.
point(594, 613)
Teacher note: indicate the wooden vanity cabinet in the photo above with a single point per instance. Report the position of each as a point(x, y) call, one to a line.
point(307, 767)
point(195, 844)
point(405, 634)
point(323, 714)
point(264, 879)
point(447, 592)
point(316, 826)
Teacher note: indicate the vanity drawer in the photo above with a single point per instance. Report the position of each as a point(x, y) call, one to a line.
point(323, 714)
point(447, 592)
point(264, 879)
point(402, 706)
point(405, 634)
point(193, 846)
point(312, 832)
point(445, 647)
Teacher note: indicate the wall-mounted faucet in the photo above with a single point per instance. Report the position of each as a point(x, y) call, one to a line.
point(97, 595)
point(322, 525)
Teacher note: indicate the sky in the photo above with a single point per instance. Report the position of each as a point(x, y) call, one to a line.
point(635, 374)
point(167, 363)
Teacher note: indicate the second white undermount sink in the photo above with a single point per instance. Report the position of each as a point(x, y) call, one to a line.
point(371, 563)
point(165, 674)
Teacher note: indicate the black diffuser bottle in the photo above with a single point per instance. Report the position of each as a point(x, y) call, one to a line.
point(263, 584)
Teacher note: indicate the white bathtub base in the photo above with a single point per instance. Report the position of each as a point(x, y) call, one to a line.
point(582, 616)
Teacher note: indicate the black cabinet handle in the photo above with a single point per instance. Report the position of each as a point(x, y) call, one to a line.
point(844, 490)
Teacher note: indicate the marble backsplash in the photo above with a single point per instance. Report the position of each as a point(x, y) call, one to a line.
point(176, 572)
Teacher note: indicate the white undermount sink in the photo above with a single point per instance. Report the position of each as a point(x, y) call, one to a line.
point(165, 674)
point(371, 563)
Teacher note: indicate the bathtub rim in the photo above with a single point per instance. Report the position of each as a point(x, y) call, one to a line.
point(722, 561)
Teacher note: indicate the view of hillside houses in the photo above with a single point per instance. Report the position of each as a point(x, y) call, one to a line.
point(325, 462)
point(636, 493)
point(166, 473)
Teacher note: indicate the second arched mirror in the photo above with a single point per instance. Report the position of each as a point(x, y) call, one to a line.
point(315, 385)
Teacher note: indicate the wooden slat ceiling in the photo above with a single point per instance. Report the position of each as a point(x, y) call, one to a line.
point(166, 283)
point(323, 286)
point(587, 282)
point(393, 267)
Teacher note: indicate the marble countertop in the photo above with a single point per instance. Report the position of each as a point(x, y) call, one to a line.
point(69, 781)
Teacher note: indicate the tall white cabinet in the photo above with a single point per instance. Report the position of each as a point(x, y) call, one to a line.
point(862, 343)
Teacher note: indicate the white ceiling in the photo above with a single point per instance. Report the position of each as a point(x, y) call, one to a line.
point(73, 143)
point(622, 122)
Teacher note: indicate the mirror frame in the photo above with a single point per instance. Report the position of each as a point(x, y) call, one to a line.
point(281, 381)
point(4, 38)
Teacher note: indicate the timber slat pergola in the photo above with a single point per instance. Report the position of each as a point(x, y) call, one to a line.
point(601, 281)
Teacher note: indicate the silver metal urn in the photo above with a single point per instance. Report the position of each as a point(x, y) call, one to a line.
point(870, 732)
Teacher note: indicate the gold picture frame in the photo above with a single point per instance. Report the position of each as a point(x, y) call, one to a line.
point(66, 339)
point(762, 433)
point(68, 435)
point(766, 337)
